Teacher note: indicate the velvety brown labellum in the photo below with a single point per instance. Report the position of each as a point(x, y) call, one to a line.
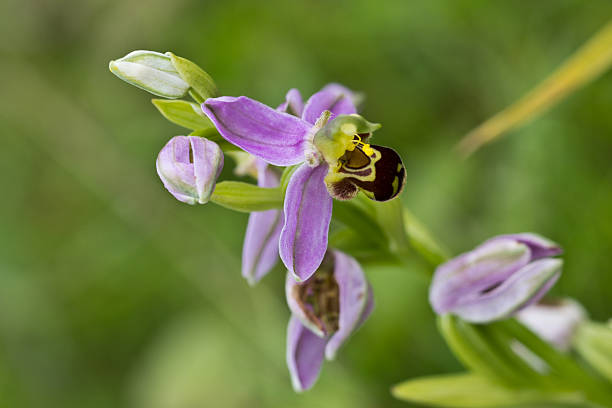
point(381, 175)
point(319, 298)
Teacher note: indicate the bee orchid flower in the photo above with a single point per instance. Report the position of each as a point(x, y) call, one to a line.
point(326, 309)
point(328, 140)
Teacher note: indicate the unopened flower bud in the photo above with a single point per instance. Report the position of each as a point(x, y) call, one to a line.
point(497, 279)
point(152, 71)
point(189, 166)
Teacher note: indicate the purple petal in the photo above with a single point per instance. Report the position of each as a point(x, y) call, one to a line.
point(190, 180)
point(540, 247)
point(207, 166)
point(332, 97)
point(353, 289)
point(304, 355)
point(308, 209)
point(260, 249)
point(275, 137)
point(472, 272)
point(524, 287)
point(293, 103)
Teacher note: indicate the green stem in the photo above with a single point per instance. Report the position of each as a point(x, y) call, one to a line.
point(567, 369)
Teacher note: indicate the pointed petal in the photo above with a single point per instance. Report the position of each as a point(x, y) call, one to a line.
point(334, 98)
point(475, 271)
point(526, 286)
point(293, 104)
point(308, 208)
point(304, 355)
point(540, 247)
point(260, 249)
point(353, 300)
point(276, 137)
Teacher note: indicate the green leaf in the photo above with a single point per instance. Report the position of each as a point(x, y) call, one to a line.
point(594, 343)
point(245, 197)
point(195, 76)
point(588, 63)
point(471, 390)
point(183, 113)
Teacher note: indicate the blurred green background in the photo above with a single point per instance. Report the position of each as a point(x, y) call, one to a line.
point(113, 294)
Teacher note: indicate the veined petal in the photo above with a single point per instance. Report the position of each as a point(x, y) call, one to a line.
point(333, 97)
point(524, 287)
point(293, 104)
point(305, 352)
point(463, 278)
point(540, 247)
point(308, 209)
point(276, 137)
point(354, 289)
point(260, 249)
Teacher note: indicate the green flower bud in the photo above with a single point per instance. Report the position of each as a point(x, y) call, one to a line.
point(151, 71)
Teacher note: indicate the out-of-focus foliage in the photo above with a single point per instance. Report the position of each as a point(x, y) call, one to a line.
point(112, 293)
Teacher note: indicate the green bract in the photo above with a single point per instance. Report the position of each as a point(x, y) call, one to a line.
point(183, 113)
point(246, 197)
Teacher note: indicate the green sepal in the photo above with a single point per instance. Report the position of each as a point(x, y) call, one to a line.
point(593, 341)
point(466, 390)
point(183, 113)
point(195, 76)
point(333, 139)
point(213, 135)
point(245, 197)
